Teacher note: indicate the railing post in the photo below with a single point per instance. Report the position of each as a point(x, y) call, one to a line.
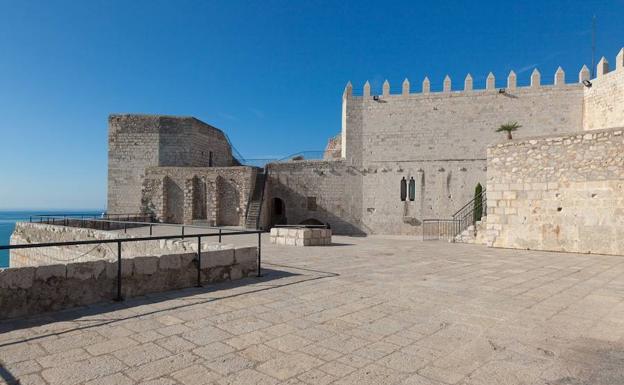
point(199, 261)
point(219, 235)
point(182, 232)
point(119, 297)
point(150, 230)
point(259, 255)
point(125, 227)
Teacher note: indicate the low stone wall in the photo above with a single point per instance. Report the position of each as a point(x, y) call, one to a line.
point(32, 290)
point(147, 267)
point(560, 193)
point(301, 236)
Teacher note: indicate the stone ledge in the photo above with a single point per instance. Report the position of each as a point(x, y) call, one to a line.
point(32, 290)
point(300, 236)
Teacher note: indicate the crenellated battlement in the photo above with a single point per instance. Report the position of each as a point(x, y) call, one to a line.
point(535, 82)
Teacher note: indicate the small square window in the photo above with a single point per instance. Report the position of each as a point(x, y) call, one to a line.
point(312, 203)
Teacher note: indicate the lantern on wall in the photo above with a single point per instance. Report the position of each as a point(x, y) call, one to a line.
point(412, 189)
point(403, 189)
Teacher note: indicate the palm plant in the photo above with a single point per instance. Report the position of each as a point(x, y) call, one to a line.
point(508, 127)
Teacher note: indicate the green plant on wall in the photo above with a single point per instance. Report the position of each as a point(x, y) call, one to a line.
point(478, 203)
point(508, 128)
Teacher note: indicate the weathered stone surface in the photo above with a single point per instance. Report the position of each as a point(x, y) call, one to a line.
point(301, 237)
point(46, 272)
point(30, 290)
point(21, 278)
point(169, 262)
point(246, 255)
point(558, 193)
point(85, 270)
point(217, 258)
point(145, 265)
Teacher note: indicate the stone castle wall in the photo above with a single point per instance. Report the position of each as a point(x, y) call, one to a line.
point(327, 191)
point(440, 139)
point(603, 102)
point(561, 193)
point(136, 142)
point(217, 195)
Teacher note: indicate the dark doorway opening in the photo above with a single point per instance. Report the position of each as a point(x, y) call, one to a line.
point(278, 212)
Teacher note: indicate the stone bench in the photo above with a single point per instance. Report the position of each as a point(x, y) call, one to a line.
point(301, 236)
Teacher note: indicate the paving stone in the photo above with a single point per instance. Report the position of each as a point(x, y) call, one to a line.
point(229, 363)
point(82, 371)
point(289, 365)
point(175, 344)
point(114, 379)
point(206, 335)
point(248, 377)
point(214, 350)
point(398, 311)
point(288, 343)
point(260, 353)
point(162, 367)
point(372, 375)
point(110, 346)
point(141, 354)
point(195, 375)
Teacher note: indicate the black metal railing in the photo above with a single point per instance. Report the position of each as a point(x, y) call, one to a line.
point(120, 241)
point(109, 225)
point(471, 212)
point(466, 216)
point(53, 219)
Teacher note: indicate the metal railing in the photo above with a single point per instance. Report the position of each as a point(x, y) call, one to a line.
point(119, 242)
point(466, 216)
point(439, 229)
point(298, 156)
point(53, 219)
point(107, 225)
point(471, 212)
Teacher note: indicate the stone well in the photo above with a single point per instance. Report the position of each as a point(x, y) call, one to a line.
point(301, 236)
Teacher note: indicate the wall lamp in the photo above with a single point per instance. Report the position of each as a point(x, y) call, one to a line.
point(587, 83)
point(501, 91)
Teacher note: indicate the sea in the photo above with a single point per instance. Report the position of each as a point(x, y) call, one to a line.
point(7, 224)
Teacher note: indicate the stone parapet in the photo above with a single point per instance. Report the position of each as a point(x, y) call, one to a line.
point(36, 289)
point(301, 236)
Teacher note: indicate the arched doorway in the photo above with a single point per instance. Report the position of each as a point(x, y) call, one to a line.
point(278, 212)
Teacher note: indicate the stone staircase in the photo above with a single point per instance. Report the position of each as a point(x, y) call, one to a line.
point(255, 203)
point(475, 234)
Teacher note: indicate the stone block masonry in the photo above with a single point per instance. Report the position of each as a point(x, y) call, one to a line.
point(217, 196)
point(301, 236)
point(603, 102)
point(560, 193)
point(147, 267)
point(136, 142)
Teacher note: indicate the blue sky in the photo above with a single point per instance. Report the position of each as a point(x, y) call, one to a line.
point(269, 73)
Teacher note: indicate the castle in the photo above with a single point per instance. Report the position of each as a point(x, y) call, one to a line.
point(559, 185)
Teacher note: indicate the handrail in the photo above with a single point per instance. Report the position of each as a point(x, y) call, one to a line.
point(122, 240)
point(262, 195)
point(469, 203)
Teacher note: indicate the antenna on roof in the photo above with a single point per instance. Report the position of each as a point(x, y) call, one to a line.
point(593, 66)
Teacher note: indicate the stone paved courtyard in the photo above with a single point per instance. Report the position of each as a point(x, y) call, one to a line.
point(365, 311)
